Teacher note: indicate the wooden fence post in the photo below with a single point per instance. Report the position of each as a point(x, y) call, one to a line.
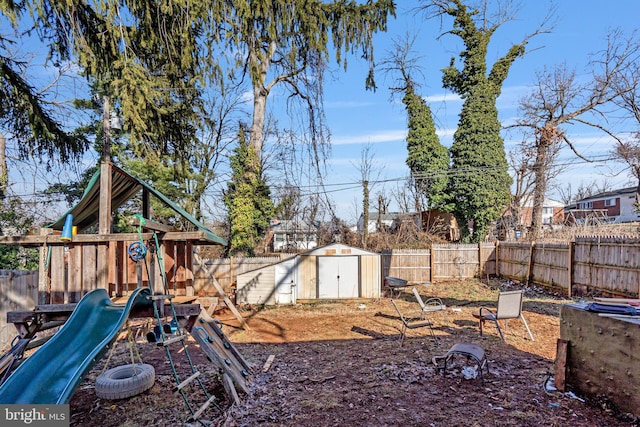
point(431, 264)
point(231, 275)
point(570, 269)
point(480, 263)
point(497, 252)
point(530, 266)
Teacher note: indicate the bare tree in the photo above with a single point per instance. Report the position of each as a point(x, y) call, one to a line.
point(628, 83)
point(367, 171)
point(522, 160)
point(408, 198)
point(559, 98)
point(629, 151)
point(568, 195)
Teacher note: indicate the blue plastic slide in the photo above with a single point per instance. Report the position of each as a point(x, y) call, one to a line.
point(52, 373)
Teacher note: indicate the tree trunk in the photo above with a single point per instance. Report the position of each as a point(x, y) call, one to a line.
point(365, 213)
point(259, 63)
point(259, 114)
point(540, 188)
point(4, 172)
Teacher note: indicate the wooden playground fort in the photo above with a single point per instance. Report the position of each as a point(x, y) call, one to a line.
point(150, 271)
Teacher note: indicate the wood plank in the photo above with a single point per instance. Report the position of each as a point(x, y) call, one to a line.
point(89, 268)
point(134, 275)
point(561, 364)
point(102, 271)
point(75, 273)
point(121, 270)
point(44, 276)
point(61, 311)
point(213, 347)
point(215, 328)
point(151, 225)
point(229, 387)
point(189, 276)
point(222, 293)
point(175, 299)
point(169, 258)
point(112, 268)
point(104, 215)
point(268, 363)
point(180, 266)
point(58, 285)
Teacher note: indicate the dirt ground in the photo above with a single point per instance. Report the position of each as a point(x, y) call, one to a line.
point(340, 363)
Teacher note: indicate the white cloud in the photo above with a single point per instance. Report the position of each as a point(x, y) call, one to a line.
point(443, 97)
point(370, 138)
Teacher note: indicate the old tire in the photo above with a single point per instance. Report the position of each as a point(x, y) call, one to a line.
point(125, 381)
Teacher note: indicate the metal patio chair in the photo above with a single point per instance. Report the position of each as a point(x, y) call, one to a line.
point(412, 324)
point(509, 307)
point(432, 305)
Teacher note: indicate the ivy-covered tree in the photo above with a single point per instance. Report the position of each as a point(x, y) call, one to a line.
point(247, 199)
point(428, 159)
point(479, 184)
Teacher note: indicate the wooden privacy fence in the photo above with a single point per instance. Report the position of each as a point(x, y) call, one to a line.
point(608, 266)
point(18, 291)
point(441, 262)
point(225, 271)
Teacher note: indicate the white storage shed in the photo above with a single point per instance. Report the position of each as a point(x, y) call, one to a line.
point(335, 271)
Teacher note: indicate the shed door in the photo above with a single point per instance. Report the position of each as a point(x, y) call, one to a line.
point(338, 277)
point(285, 282)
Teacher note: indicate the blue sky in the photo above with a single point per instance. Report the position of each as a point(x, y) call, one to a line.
point(357, 117)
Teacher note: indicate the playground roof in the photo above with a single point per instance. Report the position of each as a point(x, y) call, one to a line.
point(86, 213)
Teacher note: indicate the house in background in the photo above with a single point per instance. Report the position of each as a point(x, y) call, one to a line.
point(552, 212)
point(434, 221)
point(387, 221)
point(292, 235)
point(509, 226)
point(613, 207)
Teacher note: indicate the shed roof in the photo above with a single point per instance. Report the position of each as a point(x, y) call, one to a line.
point(337, 249)
point(86, 213)
point(613, 193)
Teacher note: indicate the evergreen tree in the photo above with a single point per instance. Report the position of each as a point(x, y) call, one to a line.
point(27, 111)
point(15, 220)
point(428, 159)
point(247, 199)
